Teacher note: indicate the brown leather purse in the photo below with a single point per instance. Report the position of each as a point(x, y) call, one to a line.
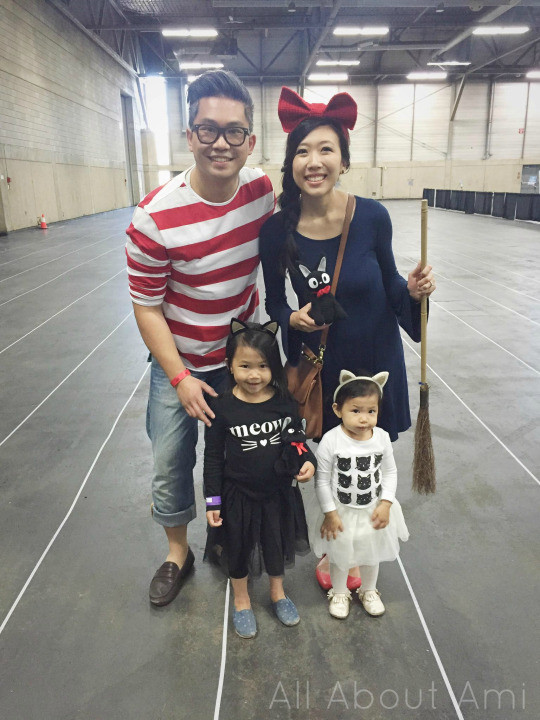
point(304, 380)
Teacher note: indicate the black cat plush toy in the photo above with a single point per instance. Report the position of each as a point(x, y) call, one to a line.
point(295, 449)
point(325, 309)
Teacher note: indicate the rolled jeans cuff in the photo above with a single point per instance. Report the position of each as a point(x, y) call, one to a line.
point(183, 517)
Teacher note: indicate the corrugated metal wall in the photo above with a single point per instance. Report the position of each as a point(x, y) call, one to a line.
point(404, 139)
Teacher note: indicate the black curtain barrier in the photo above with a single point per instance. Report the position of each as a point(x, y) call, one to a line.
point(482, 203)
point(457, 201)
point(429, 195)
point(498, 205)
point(469, 202)
point(510, 203)
point(447, 198)
point(523, 207)
point(535, 207)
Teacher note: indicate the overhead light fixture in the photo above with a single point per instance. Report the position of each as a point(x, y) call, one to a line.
point(291, 7)
point(328, 77)
point(533, 75)
point(450, 62)
point(371, 30)
point(200, 65)
point(501, 30)
point(426, 75)
point(337, 63)
point(190, 33)
point(439, 8)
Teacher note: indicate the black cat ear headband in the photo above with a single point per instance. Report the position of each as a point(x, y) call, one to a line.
point(270, 327)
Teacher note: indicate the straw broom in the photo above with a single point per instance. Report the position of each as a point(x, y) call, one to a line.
point(424, 460)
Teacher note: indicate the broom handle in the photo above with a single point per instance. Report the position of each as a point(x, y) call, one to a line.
point(423, 303)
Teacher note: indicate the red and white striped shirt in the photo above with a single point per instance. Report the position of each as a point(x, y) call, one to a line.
point(199, 260)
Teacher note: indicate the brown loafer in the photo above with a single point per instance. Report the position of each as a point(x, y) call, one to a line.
point(168, 580)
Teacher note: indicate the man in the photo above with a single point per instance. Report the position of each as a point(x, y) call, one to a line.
point(192, 263)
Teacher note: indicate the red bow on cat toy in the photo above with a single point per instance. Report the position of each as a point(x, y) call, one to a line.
point(300, 447)
point(292, 109)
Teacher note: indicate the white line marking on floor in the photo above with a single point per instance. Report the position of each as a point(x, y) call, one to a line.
point(475, 416)
point(64, 380)
point(41, 250)
point(493, 267)
point(35, 267)
point(61, 274)
point(439, 306)
point(483, 277)
point(61, 311)
point(223, 651)
point(431, 643)
point(77, 496)
point(485, 297)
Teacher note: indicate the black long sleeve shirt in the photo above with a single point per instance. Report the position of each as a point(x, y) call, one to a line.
point(243, 444)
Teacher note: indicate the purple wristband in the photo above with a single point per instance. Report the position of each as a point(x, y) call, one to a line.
point(213, 501)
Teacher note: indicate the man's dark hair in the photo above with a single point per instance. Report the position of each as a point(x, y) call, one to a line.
point(219, 83)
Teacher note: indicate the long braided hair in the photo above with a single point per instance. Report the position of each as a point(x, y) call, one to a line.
point(289, 200)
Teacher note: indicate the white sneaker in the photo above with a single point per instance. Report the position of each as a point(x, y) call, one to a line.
point(371, 600)
point(339, 603)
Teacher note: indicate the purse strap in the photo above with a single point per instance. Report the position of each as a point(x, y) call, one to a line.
point(344, 235)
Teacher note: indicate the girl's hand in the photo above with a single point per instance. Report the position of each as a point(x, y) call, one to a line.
point(306, 472)
point(213, 517)
point(381, 515)
point(190, 393)
point(300, 320)
point(421, 283)
point(331, 526)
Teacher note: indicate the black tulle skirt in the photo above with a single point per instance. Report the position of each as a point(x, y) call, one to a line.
point(258, 535)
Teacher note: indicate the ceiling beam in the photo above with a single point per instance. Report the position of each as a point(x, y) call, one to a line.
point(488, 17)
point(282, 49)
point(358, 4)
point(381, 47)
point(324, 33)
point(104, 46)
point(499, 57)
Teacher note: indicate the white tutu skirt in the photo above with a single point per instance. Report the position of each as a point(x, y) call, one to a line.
point(359, 543)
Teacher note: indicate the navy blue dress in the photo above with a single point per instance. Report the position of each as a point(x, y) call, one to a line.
point(372, 293)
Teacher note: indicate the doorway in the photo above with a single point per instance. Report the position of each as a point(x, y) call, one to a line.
point(530, 176)
point(129, 144)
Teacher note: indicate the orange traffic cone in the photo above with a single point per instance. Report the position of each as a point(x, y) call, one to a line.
point(43, 224)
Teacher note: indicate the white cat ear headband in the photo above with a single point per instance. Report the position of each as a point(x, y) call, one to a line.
point(345, 376)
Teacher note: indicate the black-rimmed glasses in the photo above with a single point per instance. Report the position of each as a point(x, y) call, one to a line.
point(208, 134)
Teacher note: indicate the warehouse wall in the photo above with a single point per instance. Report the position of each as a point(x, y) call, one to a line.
point(413, 144)
point(61, 129)
point(62, 132)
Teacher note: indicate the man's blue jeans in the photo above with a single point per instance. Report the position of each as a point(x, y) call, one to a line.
point(174, 438)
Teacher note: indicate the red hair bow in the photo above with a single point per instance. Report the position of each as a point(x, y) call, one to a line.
point(292, 109)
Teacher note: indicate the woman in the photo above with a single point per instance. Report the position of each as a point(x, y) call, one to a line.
point(375, 297)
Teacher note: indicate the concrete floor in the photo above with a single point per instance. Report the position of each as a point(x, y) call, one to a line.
point(78, 548)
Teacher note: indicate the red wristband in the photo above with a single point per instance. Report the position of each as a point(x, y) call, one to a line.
point(180, 377)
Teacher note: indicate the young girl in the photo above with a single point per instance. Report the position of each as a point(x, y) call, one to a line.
point(358, 520)
point(253, 512)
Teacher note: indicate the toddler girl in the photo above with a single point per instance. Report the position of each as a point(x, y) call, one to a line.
point(357, 519)
point(254, 513)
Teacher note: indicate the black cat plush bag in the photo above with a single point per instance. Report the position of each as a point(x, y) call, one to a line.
point(325, 309)
point(304, 379)
point(295, 449)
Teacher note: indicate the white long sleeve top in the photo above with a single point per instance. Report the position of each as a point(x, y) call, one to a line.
point(355, 473)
